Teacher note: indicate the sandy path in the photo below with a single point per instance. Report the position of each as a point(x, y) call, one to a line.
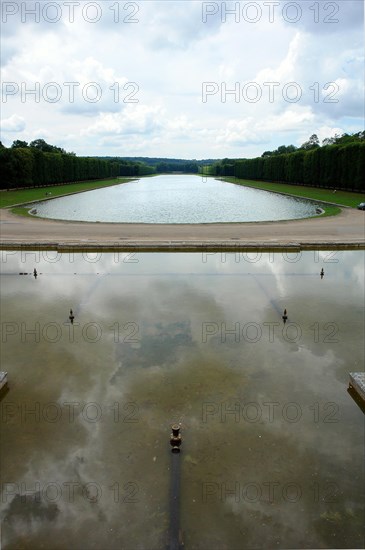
point(346, 229)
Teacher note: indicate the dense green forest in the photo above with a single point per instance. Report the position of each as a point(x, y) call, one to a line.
point(339, 163)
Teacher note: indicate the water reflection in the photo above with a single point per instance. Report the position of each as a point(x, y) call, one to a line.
point(176, 199)
point(273, 443)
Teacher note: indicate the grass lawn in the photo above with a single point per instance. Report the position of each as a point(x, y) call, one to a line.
point(8, 198)
point(345, 198)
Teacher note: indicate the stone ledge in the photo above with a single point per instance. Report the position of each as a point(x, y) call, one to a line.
point(357, 382)
point(183, 245)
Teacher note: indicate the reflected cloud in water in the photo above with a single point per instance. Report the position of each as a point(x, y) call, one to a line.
point(182, 338)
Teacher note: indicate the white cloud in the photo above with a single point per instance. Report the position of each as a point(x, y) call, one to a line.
point(14, 123)
point(238, 133)
point(134, 120)
point(288, 120)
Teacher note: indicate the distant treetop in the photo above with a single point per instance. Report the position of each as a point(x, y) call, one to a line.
point(313, 143)
point(41, 145)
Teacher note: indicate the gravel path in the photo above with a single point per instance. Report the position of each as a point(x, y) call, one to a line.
point(345, 230)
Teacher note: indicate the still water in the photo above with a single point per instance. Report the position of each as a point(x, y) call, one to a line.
point(273, 444)
point(176, 199)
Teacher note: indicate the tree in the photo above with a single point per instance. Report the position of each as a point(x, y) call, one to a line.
point(41, 145)
point(349, 138)
point(328, 141)
point(312, 143)
point(46, 147)
point(18, 144)
point(284, 149)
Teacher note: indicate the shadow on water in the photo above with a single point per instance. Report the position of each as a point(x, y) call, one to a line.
point(358, 400)
point(4, 391)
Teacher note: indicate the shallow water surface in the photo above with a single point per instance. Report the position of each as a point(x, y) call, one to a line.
point(273, 444)
point(176, 199)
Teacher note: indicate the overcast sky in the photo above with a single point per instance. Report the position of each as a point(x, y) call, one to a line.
point(152, 78)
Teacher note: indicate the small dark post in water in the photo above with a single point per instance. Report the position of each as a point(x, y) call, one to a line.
point(35, 273)
point(322, 273)
point(175, 542)
point(71, 317)
point(175, 438)
point(285, 316)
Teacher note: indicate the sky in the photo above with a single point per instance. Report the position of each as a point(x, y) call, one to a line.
point(180, 79)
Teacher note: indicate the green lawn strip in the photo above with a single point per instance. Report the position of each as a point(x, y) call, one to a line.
point(21, 211)
point(345, 198)
point(23, 196)
point(330, 210)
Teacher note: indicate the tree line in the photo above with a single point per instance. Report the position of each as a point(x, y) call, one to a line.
point(39, 164)
point(338, 163)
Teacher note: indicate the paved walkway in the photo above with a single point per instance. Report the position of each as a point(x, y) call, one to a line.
point(345, 230)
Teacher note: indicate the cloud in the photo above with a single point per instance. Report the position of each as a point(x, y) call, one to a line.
point(134, 120)
point(238, 133)
point(80, 86)
point(162, 61)
point(14, 123)
point(329, 17)
point(174, 26)
point(288, 120)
